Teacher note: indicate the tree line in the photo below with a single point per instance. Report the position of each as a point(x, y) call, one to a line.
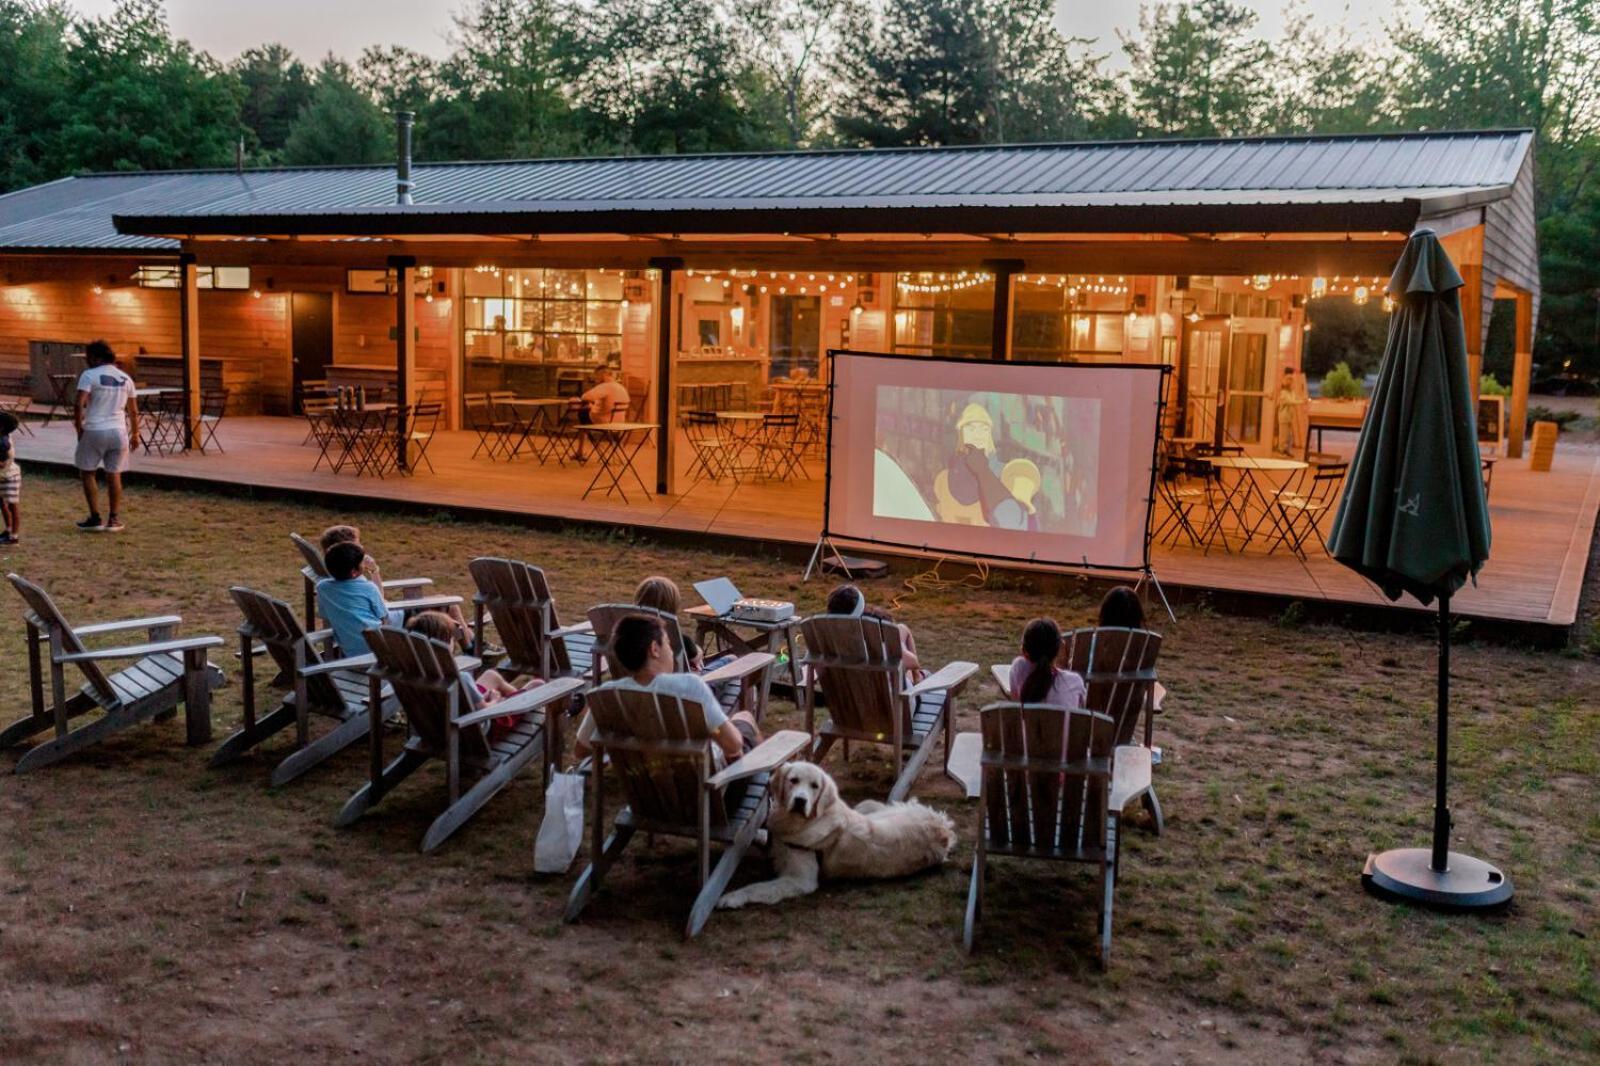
point(526, 78)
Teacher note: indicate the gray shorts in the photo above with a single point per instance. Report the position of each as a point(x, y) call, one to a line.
point(106, 448)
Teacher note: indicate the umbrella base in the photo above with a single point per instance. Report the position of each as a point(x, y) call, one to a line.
point(1407, 873)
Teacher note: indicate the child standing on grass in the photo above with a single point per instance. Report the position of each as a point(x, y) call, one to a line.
point(10, 482)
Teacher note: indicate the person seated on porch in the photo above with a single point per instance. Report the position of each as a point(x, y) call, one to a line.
point(661, 594)
point(1121, 609)
point(1035, 678)
point(644, 649)
point(600, 404)
point(349, 602)
point(490, 686)
point(344, 534)
point(848, 599)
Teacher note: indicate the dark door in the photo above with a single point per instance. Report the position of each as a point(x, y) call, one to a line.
point(312, 339)
point(796, 334)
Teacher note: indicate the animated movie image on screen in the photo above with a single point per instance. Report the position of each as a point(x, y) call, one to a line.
point(997, 459)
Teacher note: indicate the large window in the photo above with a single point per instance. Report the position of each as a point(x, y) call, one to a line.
point(944, 314)
point(166, 276)
point(542, 316)
point(1069, 318)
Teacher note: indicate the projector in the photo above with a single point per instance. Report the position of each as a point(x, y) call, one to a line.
point(762, 610)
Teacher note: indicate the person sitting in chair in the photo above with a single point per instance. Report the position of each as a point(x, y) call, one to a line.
point(848, 599)
point(601, 403)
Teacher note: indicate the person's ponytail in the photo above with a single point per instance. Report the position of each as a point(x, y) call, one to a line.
point(1041, 643)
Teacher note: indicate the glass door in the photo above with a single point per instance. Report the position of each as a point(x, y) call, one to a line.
point(1250, 352)
point(1200, 376)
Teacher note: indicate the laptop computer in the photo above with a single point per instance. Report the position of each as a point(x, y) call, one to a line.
point(719, 593)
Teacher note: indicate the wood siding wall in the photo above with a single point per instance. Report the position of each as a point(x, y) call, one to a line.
point(53, 299)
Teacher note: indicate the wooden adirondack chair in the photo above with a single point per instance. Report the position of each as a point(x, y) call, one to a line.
point(334, 688)
point(1119, 668)
point(662, 753)
point(1054, 785)
point(406, 588)
point(733, 691)
point(164, 670)
point(516, 596)
point(443, 725)
point(857, 664)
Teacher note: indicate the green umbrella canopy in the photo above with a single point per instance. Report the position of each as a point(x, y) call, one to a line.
point(1413, 517)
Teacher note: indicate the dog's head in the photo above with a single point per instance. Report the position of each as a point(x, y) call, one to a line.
point(803, 789)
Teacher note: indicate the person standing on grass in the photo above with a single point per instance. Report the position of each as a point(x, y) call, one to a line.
point(107, 421)
point(10, 482)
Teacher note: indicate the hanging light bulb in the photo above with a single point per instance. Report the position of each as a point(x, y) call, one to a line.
point(1360, 295)
point(1261, 282)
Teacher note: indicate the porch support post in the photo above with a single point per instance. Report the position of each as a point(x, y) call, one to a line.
point(405, 347)
point(1521, 374)
point(189, 344)
point(1472, 323)
point(666, 387)
point(1000, 341)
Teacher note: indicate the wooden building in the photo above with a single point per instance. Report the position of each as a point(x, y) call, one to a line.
point(721, 273)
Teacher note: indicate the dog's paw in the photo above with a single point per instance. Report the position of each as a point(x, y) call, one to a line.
point(733, 901)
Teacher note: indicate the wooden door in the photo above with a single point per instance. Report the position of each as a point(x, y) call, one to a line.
point(311, 314)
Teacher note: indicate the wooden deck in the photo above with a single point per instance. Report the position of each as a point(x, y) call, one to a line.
point(1543, 523)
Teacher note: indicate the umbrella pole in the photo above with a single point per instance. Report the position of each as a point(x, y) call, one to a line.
point(1441, 770)
point(1437, 876)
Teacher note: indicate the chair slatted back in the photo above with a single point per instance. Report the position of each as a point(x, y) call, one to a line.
point(517, 595)
point(48, 617)
point(1119, 668)
point(1045, 775)
point(857, 663)
point(604, 618)
point(272, 622)
point(314, 568)
point(423, 673)
point(661, 750)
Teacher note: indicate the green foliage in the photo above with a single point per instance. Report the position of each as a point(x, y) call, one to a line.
point(1345, 333)
point(1541, 413)
point(1196, 70)
point(1489, 385)
point(339, 124)
point(1340, 384)
point(274, 87)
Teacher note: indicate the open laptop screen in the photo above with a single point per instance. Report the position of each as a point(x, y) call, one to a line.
point(719, 593)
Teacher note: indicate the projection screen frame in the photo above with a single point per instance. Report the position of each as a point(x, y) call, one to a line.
point(828, 534)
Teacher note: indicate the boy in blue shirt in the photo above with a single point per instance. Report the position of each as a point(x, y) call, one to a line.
point(349, 603)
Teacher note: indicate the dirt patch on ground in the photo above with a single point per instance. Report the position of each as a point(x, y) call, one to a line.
point(154, 910)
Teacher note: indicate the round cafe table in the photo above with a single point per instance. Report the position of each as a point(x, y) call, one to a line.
point(1253, 487)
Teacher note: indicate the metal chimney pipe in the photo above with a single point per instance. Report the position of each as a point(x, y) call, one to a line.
point(402, 167)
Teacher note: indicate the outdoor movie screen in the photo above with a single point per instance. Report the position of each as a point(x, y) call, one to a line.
point(1048, 463)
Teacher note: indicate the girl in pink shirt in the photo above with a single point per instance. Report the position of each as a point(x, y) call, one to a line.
point(1035, 678)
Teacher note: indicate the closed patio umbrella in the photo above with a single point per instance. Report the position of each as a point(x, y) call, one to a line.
point(1414, 520)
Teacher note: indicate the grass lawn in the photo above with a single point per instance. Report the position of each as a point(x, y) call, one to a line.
point(154, 910)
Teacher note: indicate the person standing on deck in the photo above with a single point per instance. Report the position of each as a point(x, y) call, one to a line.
point(1291, 403)
point(107, 421)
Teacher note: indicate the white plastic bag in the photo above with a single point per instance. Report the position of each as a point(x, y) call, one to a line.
point(561, 832)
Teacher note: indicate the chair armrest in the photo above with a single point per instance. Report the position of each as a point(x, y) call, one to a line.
point(423, 603)
point(401, 584)
point(132, 623)
point(1157, 696)
point(949, 676)
point(139, 651)
point(319, 636)
point(1001, 672)
point(742, 667)
point(468, 663)
point(1130, 774)
point(574, 629)
point(527, 701)
point(355, 662)
point(771, 753)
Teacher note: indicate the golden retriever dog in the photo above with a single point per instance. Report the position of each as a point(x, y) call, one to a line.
point(816, 834)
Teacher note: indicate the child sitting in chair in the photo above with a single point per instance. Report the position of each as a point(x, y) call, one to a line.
point(490, 685)
point(1035, 677)
point(847, 599)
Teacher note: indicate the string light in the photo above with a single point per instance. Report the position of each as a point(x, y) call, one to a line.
point(946, 283)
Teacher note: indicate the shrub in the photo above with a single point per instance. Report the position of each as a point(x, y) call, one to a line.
point(1340, 384)
point(1540, 413)
point(1489, 385)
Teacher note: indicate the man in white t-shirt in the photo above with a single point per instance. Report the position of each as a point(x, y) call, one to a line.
point(107, 421)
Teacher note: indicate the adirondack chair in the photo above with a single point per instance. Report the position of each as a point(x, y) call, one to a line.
point(1118, 667)
point(732, 691)
point(662, 753)
point(1054, 785)
point(333, 688)
point(856, 662)
point(165, 669)
point(406, 588)
point(516, 597)
point(443, 725)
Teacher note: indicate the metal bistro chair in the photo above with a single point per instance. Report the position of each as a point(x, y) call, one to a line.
point(423, 425)
point(480, 413)
point(213, 405)
point(1297, 514)
point(780, 451)
point(713, 453)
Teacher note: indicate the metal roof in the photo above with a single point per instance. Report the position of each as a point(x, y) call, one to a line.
point(1381, 178)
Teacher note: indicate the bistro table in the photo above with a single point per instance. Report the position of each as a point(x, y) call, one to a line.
point(1248, 491)
point(747, 429)
point(542, 418)
point(153, 434)
point(616, 444)
point(731, 634)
